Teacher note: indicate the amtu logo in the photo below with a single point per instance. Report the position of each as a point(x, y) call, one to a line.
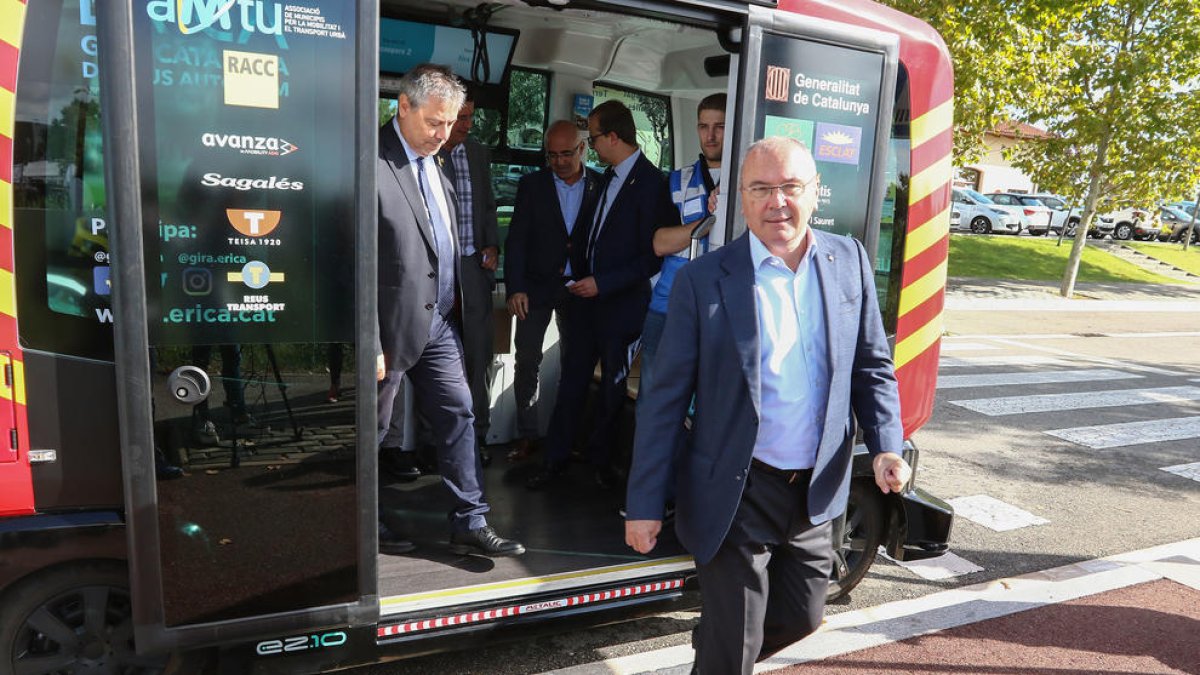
point(194, 16)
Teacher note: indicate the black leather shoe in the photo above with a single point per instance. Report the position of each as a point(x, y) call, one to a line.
point(484, 541)
point(606, 478)
point(544, 477)
point(391, 543)
point(485, 457)
point(399, 464)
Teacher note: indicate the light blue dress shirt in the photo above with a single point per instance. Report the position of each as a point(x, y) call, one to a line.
point(570, 200)
point(794, 358)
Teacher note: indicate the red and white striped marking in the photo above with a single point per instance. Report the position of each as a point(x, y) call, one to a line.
point(529, 608)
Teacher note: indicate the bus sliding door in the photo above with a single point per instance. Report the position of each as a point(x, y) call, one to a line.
point(239, 145)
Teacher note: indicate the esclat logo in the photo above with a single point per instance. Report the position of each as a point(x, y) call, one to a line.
point(194, 16)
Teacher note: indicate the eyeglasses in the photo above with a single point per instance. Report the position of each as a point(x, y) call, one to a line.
point(592, 139)
point(761, 193)
point(567, 154)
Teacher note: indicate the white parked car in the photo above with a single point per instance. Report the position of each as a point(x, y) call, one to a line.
point(984, 216)
point(1037, 213)
point(1135, 223)
point(955, 219)
point(1102, 224)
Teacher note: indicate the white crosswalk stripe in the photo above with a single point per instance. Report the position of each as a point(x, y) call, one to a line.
point(1035, 403)
point(993, 513)
point(1044, 377)
point(992, 361)
point(1131, 433)
point(1191, 471)
point(966, 347)
point(945, 566)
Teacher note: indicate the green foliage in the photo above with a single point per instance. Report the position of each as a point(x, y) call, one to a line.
point(1035, 259)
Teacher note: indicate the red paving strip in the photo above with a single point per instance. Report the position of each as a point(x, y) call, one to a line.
point(1147, 628)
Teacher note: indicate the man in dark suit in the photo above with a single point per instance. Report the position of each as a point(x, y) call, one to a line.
point(611, 263)
point(468, 164)
point(419, 272)
point(550, 206)
point(778, 337)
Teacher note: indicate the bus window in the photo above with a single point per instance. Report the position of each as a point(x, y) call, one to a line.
point(60, 233)
point(651, 115)
point(893, 220)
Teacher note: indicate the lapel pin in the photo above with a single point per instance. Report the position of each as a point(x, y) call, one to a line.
point(829, 257)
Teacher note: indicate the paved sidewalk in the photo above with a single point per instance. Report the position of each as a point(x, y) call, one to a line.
point(964, 294)
point(1137, 612)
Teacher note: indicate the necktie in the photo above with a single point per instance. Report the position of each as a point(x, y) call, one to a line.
point(441, 240)
point(601, 212)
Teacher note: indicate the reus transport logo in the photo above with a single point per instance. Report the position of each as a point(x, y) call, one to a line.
point(778, 82)
point(253, 223)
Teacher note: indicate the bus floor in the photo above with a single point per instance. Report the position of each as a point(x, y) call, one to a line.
point(568, 528)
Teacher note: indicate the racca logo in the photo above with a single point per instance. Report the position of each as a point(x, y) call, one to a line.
point(244, 184)
point(269, 146)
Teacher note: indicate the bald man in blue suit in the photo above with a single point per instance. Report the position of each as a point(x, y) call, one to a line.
point(779, 338)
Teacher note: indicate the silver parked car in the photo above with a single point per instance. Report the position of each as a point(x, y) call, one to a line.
point(1038, 214)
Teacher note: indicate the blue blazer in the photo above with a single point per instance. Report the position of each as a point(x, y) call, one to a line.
point(624, 255)
point(710, 348)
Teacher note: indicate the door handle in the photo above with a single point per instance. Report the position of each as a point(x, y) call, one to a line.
point(189, 384)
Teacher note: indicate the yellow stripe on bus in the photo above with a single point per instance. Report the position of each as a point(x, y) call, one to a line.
point(929, 233)
point(930, 179)
point(18, 382)
point(526, 581)
point(912, 295)
point(921, 339)
point(6, 204)
point(12, 20)
point(8, 306)
point(6, 112)
point(932, 123)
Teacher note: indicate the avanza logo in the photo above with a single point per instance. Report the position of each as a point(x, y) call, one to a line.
point(778, 80)
point(270, 146)
point(253, 223)
point(194, 16)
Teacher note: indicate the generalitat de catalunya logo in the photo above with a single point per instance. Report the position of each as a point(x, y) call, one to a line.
point(253, 223)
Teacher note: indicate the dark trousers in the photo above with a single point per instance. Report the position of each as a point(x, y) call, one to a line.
point(531, 333)
point(442, 397)
point(765, 588)
point(587, 339)
point(478, 337)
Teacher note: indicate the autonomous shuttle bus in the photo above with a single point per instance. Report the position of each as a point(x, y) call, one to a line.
point(188, 307)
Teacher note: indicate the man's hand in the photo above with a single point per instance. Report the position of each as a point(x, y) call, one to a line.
point(891, 472)
point(712, 199)
point(642, 535)
point(380, 368)
point(518, 304)
point(584, 288)
point(489, 258)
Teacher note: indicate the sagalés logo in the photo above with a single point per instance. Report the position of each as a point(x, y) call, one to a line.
point(193, 16)
point(251, 79)
point(253, 223)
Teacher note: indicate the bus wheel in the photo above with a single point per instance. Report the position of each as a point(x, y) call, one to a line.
point(863, 535)
point(75, 618)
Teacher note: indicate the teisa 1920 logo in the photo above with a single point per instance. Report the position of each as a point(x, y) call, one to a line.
point(194, 16)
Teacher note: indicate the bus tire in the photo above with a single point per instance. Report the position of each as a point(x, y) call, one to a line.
point(865, 525)
point(72, 618)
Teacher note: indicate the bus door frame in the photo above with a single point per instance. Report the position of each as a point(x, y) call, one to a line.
point(131, 343)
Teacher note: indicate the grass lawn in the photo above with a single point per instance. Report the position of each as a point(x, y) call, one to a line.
point(1036, 259)
point(1172, 254)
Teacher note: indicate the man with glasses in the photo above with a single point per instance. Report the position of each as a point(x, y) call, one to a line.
point(612, 261)
point(779, 338)
point(550, 206)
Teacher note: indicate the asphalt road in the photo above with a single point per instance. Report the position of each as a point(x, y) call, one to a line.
point(987, 439)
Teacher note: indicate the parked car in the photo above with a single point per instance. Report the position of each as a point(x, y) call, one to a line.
point(984, 216)
point(1134, 223)
point(955, 219)
point(1037, 213)
point(1062, 215)
point(1175, 223)
point(1185, 206)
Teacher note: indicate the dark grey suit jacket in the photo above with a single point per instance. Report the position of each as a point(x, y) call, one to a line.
point(407, 255)
point(710, 347)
